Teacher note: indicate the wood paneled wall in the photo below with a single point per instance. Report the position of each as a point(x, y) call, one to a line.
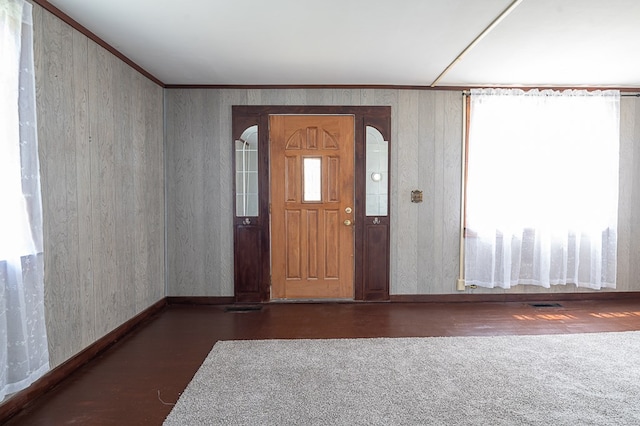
point(426, 155)
point(100, 130)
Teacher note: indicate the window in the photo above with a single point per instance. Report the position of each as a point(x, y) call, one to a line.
point(542, 188)
point(377, 173)
point(312, 179)
point(247, 173)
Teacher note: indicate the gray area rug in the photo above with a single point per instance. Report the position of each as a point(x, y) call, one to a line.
point(579, 379)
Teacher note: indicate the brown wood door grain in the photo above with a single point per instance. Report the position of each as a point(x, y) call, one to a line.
point(312, 195)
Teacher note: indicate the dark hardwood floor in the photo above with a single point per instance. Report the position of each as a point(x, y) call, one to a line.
point(136, 381)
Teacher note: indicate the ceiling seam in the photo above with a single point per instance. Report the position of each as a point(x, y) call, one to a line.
point(477, 40)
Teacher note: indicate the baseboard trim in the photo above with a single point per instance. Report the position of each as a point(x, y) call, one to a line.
point(513, 297)
point(20, 400)
point(200, 300)
point(429, 298)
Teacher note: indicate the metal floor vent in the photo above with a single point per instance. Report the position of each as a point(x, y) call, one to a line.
point(243, 308)
point(545, 305)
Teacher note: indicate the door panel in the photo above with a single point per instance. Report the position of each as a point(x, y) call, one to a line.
point(312, 195)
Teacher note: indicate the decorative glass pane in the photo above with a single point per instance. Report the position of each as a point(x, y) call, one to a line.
point(247, 173)
point(312, 176)
point(377, 177)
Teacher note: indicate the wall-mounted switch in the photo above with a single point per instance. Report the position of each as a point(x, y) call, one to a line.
point(416, 196)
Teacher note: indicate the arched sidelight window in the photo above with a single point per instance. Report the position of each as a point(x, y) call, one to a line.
point(247, 173)
point(377, 177)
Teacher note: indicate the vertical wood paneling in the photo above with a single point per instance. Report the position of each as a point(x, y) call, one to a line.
point(148, 192)
point(81, 137)
point(631, 173)
point(140, 169)
point(428, 276)
point(124, 202)
point(177, 129)
point(188, 197)
point(254, 97)
point(154, 209)
point(439, 147)
point(94, 130)
point(318, 97)
point(450, 121)
point(446, 138)
point(56, 90)
point(173, 127)
point(404, 176)
point(214, 166)
point(103, 174)
point(273, 97)
point(625, 190)
point(348, 97)
point(368, 97)
point(295, 97)
point(199, 220)
point(426, 154)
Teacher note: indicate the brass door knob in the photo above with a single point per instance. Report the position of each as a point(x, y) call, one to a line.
point(348, 222)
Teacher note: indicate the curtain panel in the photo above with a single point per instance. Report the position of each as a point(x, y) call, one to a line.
point(542, 188)
point(24, 354)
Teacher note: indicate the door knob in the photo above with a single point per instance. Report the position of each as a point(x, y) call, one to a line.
point(348, 222)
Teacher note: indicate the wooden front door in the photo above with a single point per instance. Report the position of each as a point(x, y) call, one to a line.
point(312, 206)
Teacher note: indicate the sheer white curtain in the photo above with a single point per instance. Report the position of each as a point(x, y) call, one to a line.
point(24, 355)
point(542, 188)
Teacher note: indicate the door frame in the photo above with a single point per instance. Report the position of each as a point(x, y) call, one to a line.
point(252, 241)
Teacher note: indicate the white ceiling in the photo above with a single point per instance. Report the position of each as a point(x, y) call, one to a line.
point(372, 42)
